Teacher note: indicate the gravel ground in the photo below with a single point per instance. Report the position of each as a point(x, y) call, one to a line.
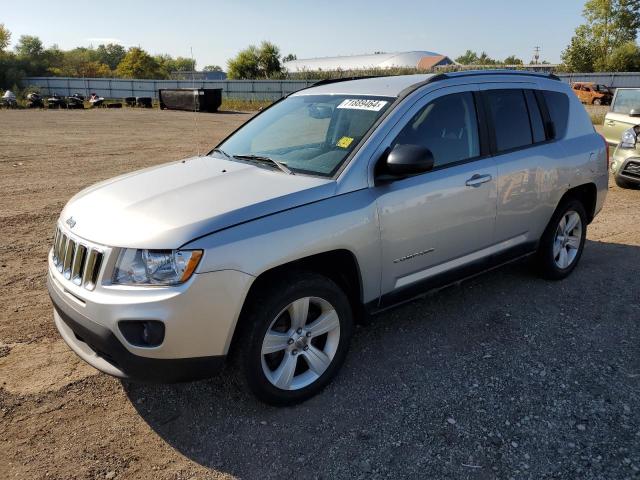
point(504, 376)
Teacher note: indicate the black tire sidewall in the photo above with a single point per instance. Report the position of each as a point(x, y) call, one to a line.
point(268, 304)
point(547, 265)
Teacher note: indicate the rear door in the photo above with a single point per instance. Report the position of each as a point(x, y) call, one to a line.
point(524, 160)
point(618, 119)
point(443, 220)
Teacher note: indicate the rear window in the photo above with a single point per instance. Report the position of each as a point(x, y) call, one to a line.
point(558, 106)
point(626, 100)
point(510, 116)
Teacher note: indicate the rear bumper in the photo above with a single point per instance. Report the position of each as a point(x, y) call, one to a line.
point(98, 346)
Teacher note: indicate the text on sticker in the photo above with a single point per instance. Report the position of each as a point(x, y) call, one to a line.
point(363, 104)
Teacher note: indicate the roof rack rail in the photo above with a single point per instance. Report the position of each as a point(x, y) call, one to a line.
point(328, 81)
point(499, 71)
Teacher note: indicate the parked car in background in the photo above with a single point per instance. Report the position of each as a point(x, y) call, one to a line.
point(592, 93)
point(338, 201)
point(623, 114)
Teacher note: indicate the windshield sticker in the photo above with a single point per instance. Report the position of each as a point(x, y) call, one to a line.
point(362, 104)
point(344, 142)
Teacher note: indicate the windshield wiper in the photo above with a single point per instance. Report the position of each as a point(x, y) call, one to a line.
point(260, 158)
point(218, 150)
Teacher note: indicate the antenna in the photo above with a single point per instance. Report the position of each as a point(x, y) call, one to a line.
point(195, 101)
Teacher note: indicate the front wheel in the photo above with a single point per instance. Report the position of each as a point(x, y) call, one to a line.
point(563, 240)
point(295, 338)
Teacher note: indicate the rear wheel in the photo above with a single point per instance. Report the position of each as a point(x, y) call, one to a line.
point(562, 243)
point(295, 338)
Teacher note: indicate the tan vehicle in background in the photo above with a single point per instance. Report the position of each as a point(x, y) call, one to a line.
point(623, 114)
point(622, 128)
point(592, 93)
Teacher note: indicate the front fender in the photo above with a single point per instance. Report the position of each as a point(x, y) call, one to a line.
point(345, 222)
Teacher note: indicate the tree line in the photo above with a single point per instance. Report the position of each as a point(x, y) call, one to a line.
point(606, 41)
point(29, 57)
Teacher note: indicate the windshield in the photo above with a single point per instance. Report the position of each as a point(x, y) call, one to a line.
point(626, 100)
point(308, 133)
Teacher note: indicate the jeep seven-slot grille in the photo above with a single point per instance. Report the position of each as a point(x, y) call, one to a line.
point(77, 262)
point(632, 169)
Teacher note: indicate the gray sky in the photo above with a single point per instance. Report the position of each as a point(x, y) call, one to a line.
point(218, 30)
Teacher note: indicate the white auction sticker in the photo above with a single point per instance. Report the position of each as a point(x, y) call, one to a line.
point(363, 104)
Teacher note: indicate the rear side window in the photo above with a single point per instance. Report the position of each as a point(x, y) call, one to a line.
point(510, 118)
point(558, 106)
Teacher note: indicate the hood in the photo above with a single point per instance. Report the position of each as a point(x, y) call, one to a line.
point(167, 206)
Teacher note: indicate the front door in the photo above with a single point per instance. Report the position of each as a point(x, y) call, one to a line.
point(443, 220)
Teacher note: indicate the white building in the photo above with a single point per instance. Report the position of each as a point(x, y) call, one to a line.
point(420, 59)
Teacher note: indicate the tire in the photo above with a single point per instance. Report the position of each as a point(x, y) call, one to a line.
point(552, 263)
point(622, 183)
point(275, 339)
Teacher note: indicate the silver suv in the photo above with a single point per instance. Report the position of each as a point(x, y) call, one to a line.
point(337, 202)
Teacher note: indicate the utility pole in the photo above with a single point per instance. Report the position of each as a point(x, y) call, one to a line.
point(536, 55)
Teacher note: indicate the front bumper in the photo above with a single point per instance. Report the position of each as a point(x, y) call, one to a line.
point(99, 347)
point(625, 165)
point(199, 319)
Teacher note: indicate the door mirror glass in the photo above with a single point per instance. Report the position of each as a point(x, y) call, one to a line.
point(404, 160)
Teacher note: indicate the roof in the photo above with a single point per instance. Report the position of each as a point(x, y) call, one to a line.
point(359, 62)
point(376, 86)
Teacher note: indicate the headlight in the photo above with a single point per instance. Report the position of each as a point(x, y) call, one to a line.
point(155, 267)
point(629, 138)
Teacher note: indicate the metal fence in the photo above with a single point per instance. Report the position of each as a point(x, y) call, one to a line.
point(245, 89)
point(611, 79)
point(121, 88)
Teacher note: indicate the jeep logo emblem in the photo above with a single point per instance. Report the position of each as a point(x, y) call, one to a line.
point(71, 222)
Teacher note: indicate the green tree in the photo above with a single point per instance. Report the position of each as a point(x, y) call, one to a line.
point(138, 64)
point(212, 68)
point(580, 55)
point(625, 58)
point(290, 57)
point(110, 54)
point(29, 46)
point(5, 37)
point(254, 62)
point(468, 58)
point(610, 24)
point(512, 60)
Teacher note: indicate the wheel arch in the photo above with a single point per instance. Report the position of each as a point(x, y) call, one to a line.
point(587, 193)
point(340, 265)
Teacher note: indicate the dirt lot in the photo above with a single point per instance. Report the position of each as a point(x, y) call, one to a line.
point(505, 376)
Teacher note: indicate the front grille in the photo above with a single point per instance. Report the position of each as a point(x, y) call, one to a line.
point(77, 262)
point(632, 169)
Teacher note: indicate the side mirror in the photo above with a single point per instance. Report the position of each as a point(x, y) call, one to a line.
point(635, 112)
point(405, 160)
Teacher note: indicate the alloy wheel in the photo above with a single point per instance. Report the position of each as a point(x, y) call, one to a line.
point(300, 343)
point(566, 243)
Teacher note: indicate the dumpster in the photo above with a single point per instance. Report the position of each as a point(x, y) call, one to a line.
point(191, 99)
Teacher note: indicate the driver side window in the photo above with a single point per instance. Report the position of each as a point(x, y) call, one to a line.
point(448, 126)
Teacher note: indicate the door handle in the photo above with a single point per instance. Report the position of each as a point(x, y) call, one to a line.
point(478, 180)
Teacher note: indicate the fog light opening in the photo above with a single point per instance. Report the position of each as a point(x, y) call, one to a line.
point(142, 333)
